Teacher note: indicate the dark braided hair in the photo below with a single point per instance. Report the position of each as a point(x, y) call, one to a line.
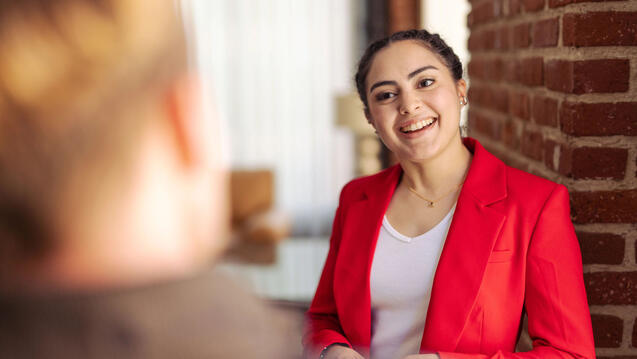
point(432, 41)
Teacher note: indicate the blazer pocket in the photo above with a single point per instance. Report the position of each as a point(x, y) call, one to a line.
point(500, 256)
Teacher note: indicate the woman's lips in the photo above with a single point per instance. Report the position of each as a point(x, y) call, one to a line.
point(417, 128)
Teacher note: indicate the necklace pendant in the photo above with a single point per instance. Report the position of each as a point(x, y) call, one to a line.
point(431, 204)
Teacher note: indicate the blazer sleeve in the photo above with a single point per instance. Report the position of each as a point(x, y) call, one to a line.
point(555, 298)
point(322, 326)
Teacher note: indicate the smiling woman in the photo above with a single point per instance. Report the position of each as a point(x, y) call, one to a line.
point(442, 255)
point(412, 97)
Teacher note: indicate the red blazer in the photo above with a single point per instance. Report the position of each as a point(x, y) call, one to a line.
point(511, 248)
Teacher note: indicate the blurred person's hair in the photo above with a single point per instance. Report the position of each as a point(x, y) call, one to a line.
point(74, 75)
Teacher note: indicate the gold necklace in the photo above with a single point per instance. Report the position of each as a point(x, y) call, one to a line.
point(432, 203)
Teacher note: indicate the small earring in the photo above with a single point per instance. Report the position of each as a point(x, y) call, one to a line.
point(463, 100)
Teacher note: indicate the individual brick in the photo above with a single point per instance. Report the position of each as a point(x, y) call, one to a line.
point(599, 119)
point(607, 330)
point(533, 5)
point(512, 70)
point(502, 39)
point(601, 248)
point(487, 69)
point(544, 111)
point(521, 35)
point(559, 75)
point(485, 125)
point(531, 71)
point(550, 148)
point(476, 68)
point(611, 288)
point(495, 70)
point(594, 162)
point(546, 32)
point(511, 135)
point(497, 99)
point(519, 105)
point(476, 41)
point(533, 145)
point(608, 28)
point(617, 206)
point(488, 39)
point(514, 7)
point(587, 76)
point(475, 96)
point(483, 12)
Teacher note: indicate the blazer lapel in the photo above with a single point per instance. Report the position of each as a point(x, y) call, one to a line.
point(470, 240)
point(361, 226)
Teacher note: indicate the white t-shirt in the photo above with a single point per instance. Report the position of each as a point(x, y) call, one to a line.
point(401, 278)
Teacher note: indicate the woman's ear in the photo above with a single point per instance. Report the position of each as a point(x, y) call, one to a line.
point(461, 88)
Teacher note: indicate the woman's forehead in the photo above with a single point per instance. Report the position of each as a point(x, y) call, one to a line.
point(401, 58)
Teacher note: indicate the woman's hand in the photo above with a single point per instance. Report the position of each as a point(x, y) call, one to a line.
point(422, 356)
point(341, 352)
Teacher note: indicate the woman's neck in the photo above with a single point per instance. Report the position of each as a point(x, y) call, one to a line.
point(439, 174)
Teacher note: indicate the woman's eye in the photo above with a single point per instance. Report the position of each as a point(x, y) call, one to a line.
point(425, 83)
point(384, 96)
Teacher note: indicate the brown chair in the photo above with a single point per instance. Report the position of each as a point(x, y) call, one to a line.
point(257, 227)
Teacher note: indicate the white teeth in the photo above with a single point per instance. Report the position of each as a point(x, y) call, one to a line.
point(417, 125)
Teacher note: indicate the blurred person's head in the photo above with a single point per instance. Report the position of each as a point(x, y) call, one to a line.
point(108, 175)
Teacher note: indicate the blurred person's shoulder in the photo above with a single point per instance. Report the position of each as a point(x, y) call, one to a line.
point(247, 326)
point(206, 316)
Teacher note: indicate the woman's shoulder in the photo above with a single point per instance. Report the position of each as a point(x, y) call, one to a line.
point(357, 187)
point(528, 187)
point(502, 178)
point(518, 178)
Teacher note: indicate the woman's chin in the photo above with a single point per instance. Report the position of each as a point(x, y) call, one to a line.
point(422, 155)
point(425, 152)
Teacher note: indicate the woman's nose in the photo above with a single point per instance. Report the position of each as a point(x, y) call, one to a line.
point(410, 104)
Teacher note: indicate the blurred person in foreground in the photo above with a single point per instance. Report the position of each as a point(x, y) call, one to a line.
point(112, 192)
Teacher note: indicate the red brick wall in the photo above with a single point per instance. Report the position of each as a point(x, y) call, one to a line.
point(553, 91)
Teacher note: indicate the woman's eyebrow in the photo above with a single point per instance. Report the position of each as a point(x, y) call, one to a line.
point(416, 72)
point(382, 83)
point(411, 75)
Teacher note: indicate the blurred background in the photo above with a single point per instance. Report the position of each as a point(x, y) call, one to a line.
point(280, 74)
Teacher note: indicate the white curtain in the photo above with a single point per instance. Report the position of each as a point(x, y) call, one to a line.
point(273, 68)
